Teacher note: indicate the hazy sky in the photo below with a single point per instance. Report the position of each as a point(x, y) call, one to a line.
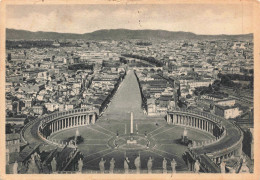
point(200, 19)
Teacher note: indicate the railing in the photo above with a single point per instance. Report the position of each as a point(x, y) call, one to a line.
point(122, 171)
point(51, 141)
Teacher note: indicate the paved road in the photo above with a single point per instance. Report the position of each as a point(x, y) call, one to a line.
point(30, 133)
point(127, 99)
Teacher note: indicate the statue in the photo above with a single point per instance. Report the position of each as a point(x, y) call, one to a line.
point(76, 136)
point(80, 165)
point(223, 167)
point(197, 167)
point(32, 167)
point(164, 166)
point(185, 132)
point(137, 164)
point(53, 165)
point(126, 165)
point(173, 165)
point(38, 160)
point(112, 166)
point(194, 144)
point(149, 165)
point(15, 168)
point(77, 133)
point(244, 168)
point(102, 166)
point(231, 170)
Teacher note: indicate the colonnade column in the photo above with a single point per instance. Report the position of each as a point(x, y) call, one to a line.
point(168, 118)
point(84, 120)
point(174, 119)
point(93, 118)
point(52, 130)
point(81, 120)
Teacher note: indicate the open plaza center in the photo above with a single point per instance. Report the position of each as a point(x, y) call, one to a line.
point(125, 131)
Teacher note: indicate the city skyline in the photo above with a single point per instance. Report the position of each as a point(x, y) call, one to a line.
point(198, 19)
point(155, 89)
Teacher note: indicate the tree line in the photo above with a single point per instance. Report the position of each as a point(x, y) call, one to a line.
point(151, 60)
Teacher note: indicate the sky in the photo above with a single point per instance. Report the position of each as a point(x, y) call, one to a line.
point(200, 19)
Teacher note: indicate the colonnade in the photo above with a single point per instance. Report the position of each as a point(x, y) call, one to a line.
point(46, 128)
point(216, 127)
point(196, 122)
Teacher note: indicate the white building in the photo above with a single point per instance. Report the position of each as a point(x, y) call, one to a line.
point(227, 112)
point(226, 102)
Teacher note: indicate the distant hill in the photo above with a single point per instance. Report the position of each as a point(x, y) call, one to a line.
point(119, 34)
point(28, 35)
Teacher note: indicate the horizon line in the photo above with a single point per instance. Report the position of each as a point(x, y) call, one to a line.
point(128, 30)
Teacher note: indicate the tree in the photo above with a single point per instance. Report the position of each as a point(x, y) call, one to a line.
point(188, 96)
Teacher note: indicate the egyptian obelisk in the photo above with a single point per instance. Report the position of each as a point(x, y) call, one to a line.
point(132, 123)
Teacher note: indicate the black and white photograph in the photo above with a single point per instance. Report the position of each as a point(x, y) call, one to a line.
point(129, 88)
